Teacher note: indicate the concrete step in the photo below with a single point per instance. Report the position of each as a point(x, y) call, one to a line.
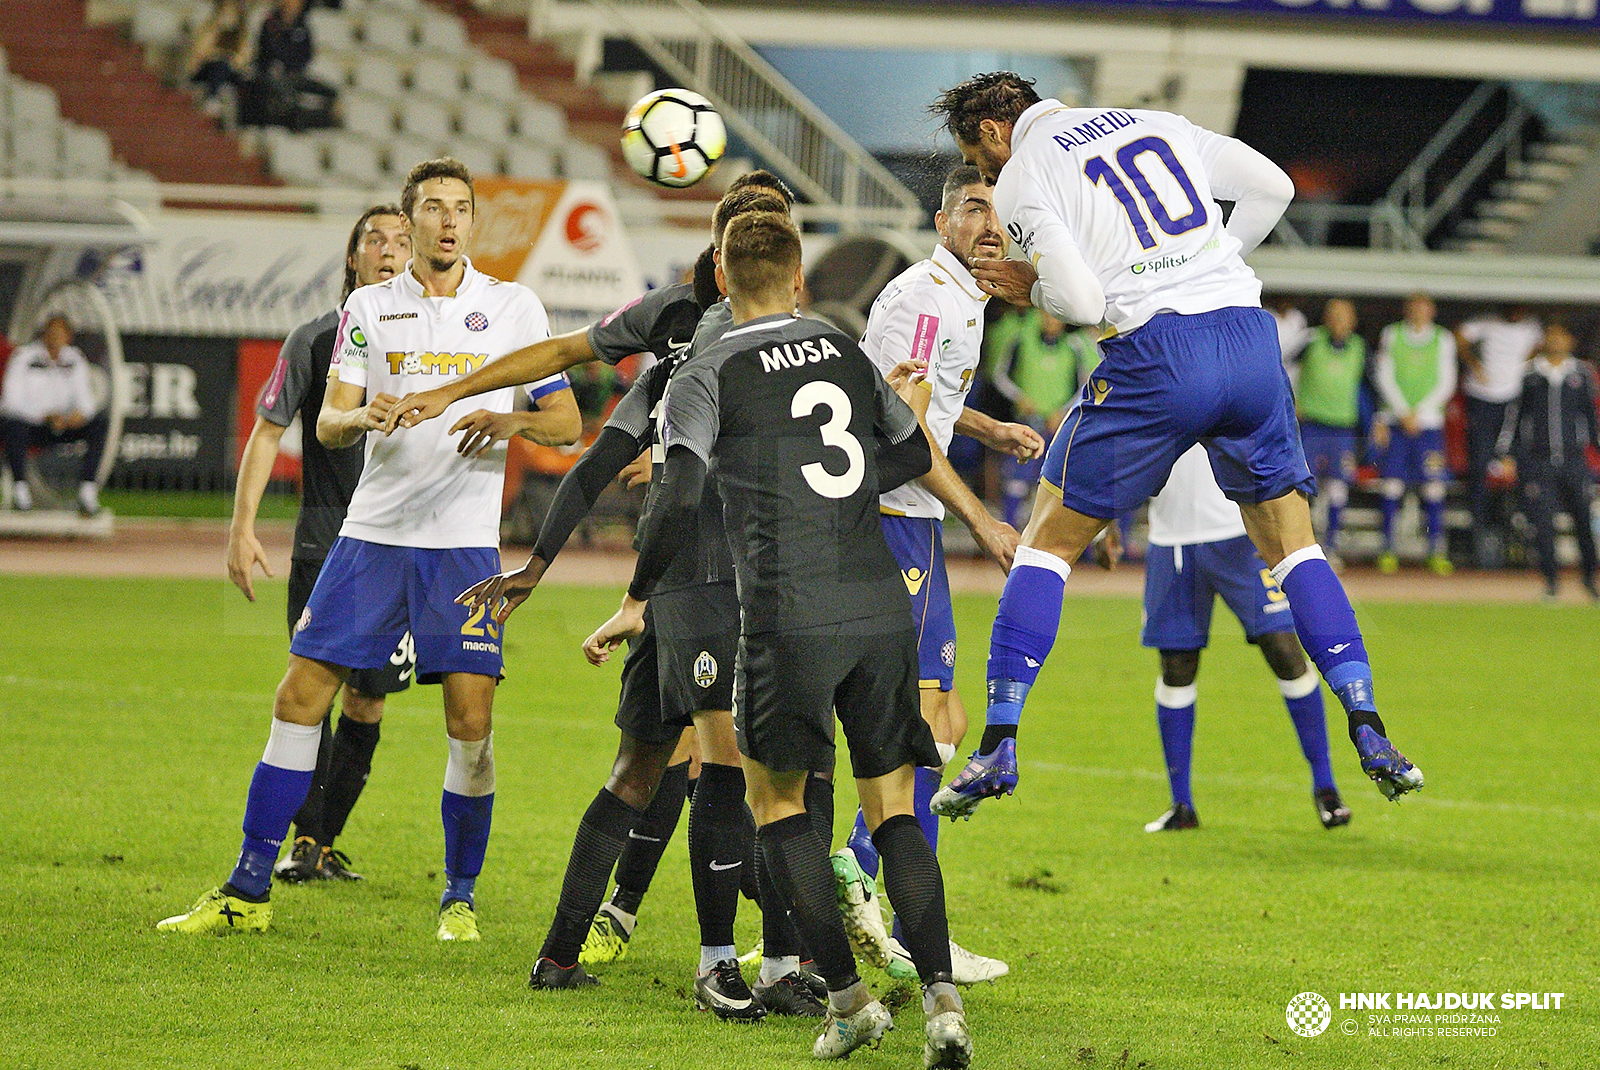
point(1511, 189)
point(1519, 211)
point(1493, 229)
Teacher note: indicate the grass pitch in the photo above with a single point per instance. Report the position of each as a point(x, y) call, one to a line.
point(132, 713)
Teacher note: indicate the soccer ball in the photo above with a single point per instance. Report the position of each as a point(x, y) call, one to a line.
point(672, 137)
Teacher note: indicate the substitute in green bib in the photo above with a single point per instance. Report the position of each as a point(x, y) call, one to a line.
point(1416, 376)
point(1328, 404)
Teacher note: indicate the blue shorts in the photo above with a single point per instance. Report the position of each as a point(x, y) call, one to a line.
point(1181, 584)
point(1215, 378)
point(918, 546)
point(369, 594)
point(1417, 458)
point(1330, 451)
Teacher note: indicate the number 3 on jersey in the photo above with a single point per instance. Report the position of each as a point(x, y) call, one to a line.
point(1097, 170)
point(835, 433)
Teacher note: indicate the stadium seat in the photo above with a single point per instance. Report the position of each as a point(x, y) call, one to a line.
point(427, 118)
point(480, 158)
point(85, 152)
point(487, 121)
point(581, 160)
point(295, 158)
point(495, 79)
point(330, 29)
point(331, 67)
point(353, 158)
point(368, 114)
point(35, 151)
point(157, 26)
point(376, 74)
point(388, 30)
point(437, 76)
point(541, 122)
point(30, 104)
point(443, 33)
point(398, 5)
point(527, 160)
point(405, 151)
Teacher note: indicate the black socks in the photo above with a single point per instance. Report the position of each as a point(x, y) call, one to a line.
point(721, 850)
point(649, 838)
point(915, 886)
point(798, 861)
point(600, 839)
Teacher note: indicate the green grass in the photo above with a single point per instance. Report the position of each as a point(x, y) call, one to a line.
point(189, 504)
point(132, 713)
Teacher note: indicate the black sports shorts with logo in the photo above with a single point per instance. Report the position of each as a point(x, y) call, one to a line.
point(790, 684)
point(697, 643)
point(395, 676)
point(639, 704)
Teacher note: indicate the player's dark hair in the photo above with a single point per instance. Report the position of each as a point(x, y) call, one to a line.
point(355, 243)
point(999, 95)
point(739, 201)
point(443, 167)
point(763, 180)
point(760, 252)
point(956, 181)
point(706, 293)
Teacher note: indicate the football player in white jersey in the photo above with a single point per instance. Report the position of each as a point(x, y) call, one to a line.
point(423, 524)
point(932, 314)
point(1115, 213)
point(1198, 550)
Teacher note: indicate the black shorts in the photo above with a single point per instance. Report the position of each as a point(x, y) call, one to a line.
point(639, 704)
point(697, 643)
point(790, 684)
point(395, 676)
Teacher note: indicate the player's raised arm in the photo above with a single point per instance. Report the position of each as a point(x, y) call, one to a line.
point(526, 365)
point(346, 413)
point(1258, 188)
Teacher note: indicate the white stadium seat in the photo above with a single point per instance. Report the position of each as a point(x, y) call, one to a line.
point(388, 30)
point(398, 5)
point(442, 32)
point(35, 151)
point(480, 158)
point(85, 152)
point(157, 25)
point(427, 118)
point(493, 78)
point(331, 67)
point(581, 160)
point(541, 122)
point(376, 74)
point(354, 158)
point(437, 76)
point(31, 104)
point(486, 120)
point(368, 114)
point(330, 29)
point(527, 160)
point(295, 158)
point(405, 151)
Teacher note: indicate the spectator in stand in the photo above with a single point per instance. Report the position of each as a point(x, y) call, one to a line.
point(1495, 350)
point(1328, 402)
point(219, 60)
point(1416, 378)
point(285, 95)
point(1546, 430)
point(1040, 369)
point(48, 400)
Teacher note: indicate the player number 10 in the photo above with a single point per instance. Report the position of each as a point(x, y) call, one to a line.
point(1097, 170)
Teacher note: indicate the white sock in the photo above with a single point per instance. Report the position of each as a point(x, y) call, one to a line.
point(773, 969)
point(293, 746)
point(21, 495)
point(470, 770)
point(89, 495)
point(710, 956)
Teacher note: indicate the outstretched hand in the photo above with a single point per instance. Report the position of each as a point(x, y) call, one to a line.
point(1019, 440)
point(1010, 280)
point(413, 409)
point(505, 591)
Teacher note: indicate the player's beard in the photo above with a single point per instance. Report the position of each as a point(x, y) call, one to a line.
point(440, 265)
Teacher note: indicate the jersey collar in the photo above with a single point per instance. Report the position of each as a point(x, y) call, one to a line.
point(950, 266)
point(468, 277)
point(763, 323)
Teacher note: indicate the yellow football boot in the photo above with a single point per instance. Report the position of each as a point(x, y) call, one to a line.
point(607, 940)
point(219, 913)
point(458, 922)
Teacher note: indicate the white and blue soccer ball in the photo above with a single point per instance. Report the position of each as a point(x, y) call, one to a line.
point(673, 137)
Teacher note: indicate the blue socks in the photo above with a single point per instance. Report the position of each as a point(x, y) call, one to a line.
point(860, 843)
point(1327, 627)
point(1024, 631)
point(1175, 718)
point(1304, 699)
point(281, 781)
point(467, 807)
point(1391, 509)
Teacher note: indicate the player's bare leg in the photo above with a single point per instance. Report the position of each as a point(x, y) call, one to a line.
point(1282, 533)
point(1024, 631)
point(467, 806)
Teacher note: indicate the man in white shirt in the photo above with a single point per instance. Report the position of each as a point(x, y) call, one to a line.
point(1416, 376)
point(1496, 349)
point(47, 400)
point(932, 313)
point(1116, 214)
point(423, 524)
point(1198, 550)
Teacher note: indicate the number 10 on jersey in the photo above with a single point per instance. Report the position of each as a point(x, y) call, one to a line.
point(1098, 170)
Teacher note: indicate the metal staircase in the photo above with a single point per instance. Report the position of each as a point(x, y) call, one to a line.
point(825, 165)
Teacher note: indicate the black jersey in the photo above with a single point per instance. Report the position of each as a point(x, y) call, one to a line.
point(327, 477)
point(786, 412)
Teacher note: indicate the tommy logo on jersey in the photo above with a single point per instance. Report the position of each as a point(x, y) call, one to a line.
point(447, 363)
point(477, 321)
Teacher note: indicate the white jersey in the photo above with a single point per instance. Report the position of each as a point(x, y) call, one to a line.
point(1135, 193)
point(416, 490)
point(1504, 349)
point(932, 311)
point(1191, 508)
